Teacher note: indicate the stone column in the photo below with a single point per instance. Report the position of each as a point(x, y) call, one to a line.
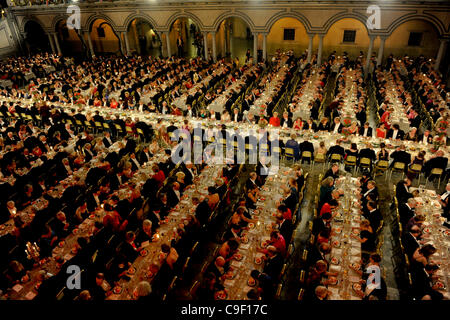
point(310, 47)
point(440, 54)
point(319, 51)
point(127, 44)
point(214, 53)
point(169, 53)
point(55, 36)
point(50, 39)
point(91, 47)
point(381, 50)
point(255, 48)
point(369, 53)
point(264, 48)
point(205, 40)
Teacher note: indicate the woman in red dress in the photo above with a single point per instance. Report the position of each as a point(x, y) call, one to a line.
point(298, 124)
point(381, 131)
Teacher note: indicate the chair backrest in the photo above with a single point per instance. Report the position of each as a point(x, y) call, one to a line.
point(306, 154)
point(336, 156)
point(436, 171)
point(320, 157)
point(399, 165)
point(416, 167)
point(383, 164)
point(365, 161)
point(289, 152)
point(351, 160)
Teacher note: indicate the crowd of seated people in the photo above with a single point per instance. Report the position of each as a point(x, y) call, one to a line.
point(316, 267)
point(419, 252)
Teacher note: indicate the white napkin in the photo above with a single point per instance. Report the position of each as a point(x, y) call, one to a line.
point(229, 283)
point(236, 264)
point(30, 295)
point(245, 246)
point(145, 244)
point(17, 288)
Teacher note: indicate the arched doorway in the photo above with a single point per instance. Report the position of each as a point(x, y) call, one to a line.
point(104, 38)
point(413, 38)
point(192, 40)
point(69, 40)
point(287, 34)
point(143, 39)
point(234, 38)
point(347, 35)
point(36, 39)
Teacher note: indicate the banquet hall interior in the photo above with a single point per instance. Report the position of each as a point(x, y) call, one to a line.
point(224, 150)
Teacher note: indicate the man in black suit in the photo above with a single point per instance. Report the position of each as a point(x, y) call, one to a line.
point(426, 137)
point(174, 194)
point(322, 223)
point(410, 240)
point(89, 153)
point(306, 146)
point(402, 190)
point(438, 161)
point(422, 283)
point(371, 190)
point(336, 149)
point(236, 116)
point(373, 215)
point(406, 211)
point(336, 127)
point(395, 133)
point(366, 130)
point(145, 155)
point(107, 140)
point(135, 164)
point(400, 155)
point(368, 153)
point(202, 211)
point(285, 227)
point(274, 263)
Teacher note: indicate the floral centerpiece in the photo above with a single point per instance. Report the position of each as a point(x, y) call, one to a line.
point(346, 123)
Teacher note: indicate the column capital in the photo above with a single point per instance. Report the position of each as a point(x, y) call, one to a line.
point(311, 35)
point(372, 37)
point(444, 40)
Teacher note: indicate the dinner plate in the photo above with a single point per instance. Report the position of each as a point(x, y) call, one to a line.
point(258, 260)
point(131, 271)
point(117, 289)
point(356, 265)
point(245, 240)
point(74, 251)
point(333, 281)
point(356, 232)
point(23, 279)
point(440, 285)
point(251, 225)
point(335, 260)
point(356, 287)
point(336, 244)
point(264, 244)
point(92, 216)
point(75, 231)
point(447, 232)
point(427, 230)
point(238, 257)
point(222, 295)
point(337, 230)
point(61, 244)
point(229, 275)
point(251, 282)
point(150, 274)
point(143, 253)
point(256, 211)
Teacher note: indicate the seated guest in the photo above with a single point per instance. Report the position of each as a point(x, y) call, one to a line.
point(367, 236)
point(332, 172)
point(400, 155)
point(228, 249)
point(145, 234)
point(174, 195)
point(372, 190)
point(321, 150)
point(421, 257)
point(273, 263)
point(437, 161)
point(418, 160)
point(218, 267)
point(209, 288)
point(327, 186)
point(202, 209)
point(213, 197)
point(159, 175)
point(410, 240)
point(366, 130)
point(336, 149)
point(252, 197)
point(322, 223)
point(395, 133)
point(373, 215)
point(422, 283)
point(381, 131)
point(294, 146)
point(169, 255)
point(402, 190)
point(406, 210)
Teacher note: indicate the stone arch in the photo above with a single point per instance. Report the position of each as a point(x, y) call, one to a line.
point(56, 20)
point(236, 14)
point(90, 21)
point(353, 15)
point(30, 18)
point(440, 28)
point(142, 16)
point(179, 15)
point(294, 15)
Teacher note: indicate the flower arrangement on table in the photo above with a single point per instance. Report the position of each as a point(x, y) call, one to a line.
point(346, 122)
